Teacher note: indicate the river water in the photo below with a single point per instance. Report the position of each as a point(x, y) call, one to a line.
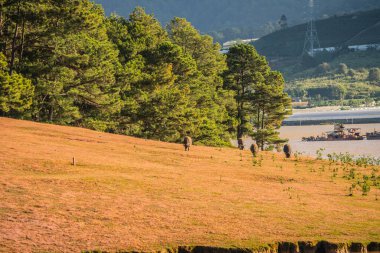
point(358, 148)
point(349, 115)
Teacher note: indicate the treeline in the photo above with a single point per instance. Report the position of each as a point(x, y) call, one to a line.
point(65, 62)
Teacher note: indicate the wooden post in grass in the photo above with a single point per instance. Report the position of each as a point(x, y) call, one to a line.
point(74, 163)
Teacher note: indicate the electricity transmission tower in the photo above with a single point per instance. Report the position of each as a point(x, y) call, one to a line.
point(311, 38)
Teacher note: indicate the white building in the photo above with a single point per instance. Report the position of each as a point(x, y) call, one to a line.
point(227, 45)
point(364, 47)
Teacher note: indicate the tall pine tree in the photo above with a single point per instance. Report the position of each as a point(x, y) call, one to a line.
point(259, 92)
point(214, 105)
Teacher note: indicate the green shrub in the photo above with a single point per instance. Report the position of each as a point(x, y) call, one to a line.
point(323, 68)
point(374, 75)
point(342, 69)
point(351, 72)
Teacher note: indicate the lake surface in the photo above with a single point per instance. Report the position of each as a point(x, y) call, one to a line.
point(363, 147)
point(331, 115)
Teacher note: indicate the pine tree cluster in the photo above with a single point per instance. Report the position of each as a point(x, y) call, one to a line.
point(65, 62)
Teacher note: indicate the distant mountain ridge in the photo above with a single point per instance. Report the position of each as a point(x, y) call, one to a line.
point(354, 29)
point(216, 15)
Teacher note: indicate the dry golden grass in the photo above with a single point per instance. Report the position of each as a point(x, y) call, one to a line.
point(128, 193)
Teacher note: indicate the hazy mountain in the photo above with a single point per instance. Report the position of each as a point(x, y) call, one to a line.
point(354, 29)
point(222, 15)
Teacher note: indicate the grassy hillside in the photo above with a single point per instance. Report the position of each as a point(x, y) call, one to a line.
point(128, 193)
point(353, 29)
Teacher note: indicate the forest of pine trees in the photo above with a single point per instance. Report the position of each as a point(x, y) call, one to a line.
point(65, 62)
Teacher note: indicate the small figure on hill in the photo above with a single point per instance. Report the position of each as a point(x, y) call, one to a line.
point(187, 142)
point(240, 144)
point(287, 150)
point(254, 149)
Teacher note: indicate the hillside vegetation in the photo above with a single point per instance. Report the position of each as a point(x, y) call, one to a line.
point(338, 31)
point(345, 80)
point(224, 18)
point(343, 77)
point(128, 193)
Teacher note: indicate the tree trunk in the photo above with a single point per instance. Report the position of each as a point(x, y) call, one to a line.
point(22, 39)
point(1, 20)
point(258, 124)
point(3, 44)
point(240, 108)
point(262, 127)
point(51, 113)
point(240, 117)
point(13, 51)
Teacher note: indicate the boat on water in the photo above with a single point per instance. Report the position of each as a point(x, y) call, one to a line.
point(340, 133)
point(375, 135)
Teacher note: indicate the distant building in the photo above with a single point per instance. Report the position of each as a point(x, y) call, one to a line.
point(227, 45)
point(364, 47)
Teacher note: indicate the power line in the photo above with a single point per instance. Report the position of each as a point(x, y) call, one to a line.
point(311, 38)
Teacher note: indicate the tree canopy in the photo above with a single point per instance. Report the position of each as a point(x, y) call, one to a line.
point(261, 101)
point(66, 62)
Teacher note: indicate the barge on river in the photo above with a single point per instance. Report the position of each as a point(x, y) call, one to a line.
point(340, 133)
point(373, 135)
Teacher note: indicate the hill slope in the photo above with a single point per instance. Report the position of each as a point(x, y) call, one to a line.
point(305, 75)
point(128, 193)
point(354, 29)
point(214, 15)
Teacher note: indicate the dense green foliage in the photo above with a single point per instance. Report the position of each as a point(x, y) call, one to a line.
point(261, 102)
point(172, 82)
point(227, 20)
point(65, 62)
point(16, 92)
point(63, 48)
